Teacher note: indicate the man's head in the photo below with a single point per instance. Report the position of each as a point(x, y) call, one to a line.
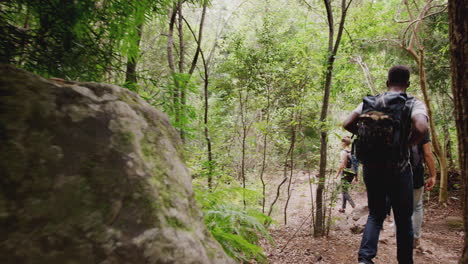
point(346, 141)
point(398, 76)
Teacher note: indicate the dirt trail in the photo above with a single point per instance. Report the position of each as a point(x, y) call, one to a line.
point(441, 244)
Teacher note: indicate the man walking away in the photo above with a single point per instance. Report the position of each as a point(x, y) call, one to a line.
point(386, 125)
point(348, 172)
point(421, 154)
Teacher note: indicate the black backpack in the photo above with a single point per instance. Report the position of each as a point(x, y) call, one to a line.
point(383, 129)
point(351, 169)
point(352, 164)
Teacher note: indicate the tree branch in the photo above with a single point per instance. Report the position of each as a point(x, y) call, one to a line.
point(200, 34)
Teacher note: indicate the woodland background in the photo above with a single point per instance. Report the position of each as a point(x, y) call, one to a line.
point(256, 89)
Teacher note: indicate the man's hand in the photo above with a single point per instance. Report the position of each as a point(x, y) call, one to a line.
point(430, 183)
point(429, 158)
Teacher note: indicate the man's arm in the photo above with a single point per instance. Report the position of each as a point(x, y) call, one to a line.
point(350, 122)
point(419, 129)
point(429, 160)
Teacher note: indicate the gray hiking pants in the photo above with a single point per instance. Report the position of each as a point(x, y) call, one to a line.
point(347, 197)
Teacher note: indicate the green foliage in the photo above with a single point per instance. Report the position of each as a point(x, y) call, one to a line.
point(238, 230)
point(266, 65)
point(72, 39)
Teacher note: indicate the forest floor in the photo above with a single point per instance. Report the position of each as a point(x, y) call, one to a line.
point(441, 243)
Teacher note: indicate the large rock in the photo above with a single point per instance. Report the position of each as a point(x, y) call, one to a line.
point(90, 173)
point(354, 222)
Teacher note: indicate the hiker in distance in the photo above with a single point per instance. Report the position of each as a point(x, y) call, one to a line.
point(348, 171)
point(386, 126)
point(421, 154)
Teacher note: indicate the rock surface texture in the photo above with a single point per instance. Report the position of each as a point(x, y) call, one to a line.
point(91, 173)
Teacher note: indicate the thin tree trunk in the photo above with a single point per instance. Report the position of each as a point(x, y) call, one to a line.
point(265, 150)
point(448, 147)
point(245, 128)
point(23, 53)
point(130, 73)
point(332, 51)
point(438, 150)
point(285, 178)
point(291, 165)
point(205, 121)
point(458, 30)
point(418, 56)
point(311, 198)
point(171, 62)
point(206, 79)
point(199, 39)
point(367, 74)
point(183, 87)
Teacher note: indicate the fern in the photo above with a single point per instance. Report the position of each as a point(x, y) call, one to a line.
point(238, 230)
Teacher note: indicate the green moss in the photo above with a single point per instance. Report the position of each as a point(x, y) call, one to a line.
point(148, 150)
point(123, 141)
point(127, 98)
point(127, 137)
point(175, 223)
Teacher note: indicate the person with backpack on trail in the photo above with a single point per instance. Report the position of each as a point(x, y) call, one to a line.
point(386, 126)
point(348, 172)
point(421, 154)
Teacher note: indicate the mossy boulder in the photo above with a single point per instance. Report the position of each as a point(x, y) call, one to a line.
point(91, 173)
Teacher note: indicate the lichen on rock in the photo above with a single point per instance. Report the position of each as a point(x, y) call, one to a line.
point(90, 173)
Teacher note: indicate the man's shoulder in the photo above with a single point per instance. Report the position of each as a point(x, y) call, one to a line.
point(418, 107)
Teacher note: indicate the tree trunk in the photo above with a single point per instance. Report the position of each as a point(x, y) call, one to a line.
point(245, 129)
point(367, 74)
point(332, 51)
point(438, 150)
point(171, 63)
point(285, 177)
point(416, 50)
point(183, 88)
point(458, 29)
point(130, 74)
point(205, 122)
point(291, 167)
point(265, 141)
point(24, 53)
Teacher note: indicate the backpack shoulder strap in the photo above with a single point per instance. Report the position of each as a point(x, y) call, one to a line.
point(409, 107)
point(407, 125)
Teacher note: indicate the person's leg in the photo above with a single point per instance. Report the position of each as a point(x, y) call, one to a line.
point(344, 190)
point(350, 200)
point(417, 214)
point(343, 206)
point(402, 204)
point(376, 194)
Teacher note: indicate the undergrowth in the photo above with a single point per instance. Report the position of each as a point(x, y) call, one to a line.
point(238, 230)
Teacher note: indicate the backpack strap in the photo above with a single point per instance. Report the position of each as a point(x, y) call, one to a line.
point(409, 107)
point(406, 129)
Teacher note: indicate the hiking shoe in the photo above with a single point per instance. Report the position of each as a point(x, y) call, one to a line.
point(417, 243)
point(341, 210)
